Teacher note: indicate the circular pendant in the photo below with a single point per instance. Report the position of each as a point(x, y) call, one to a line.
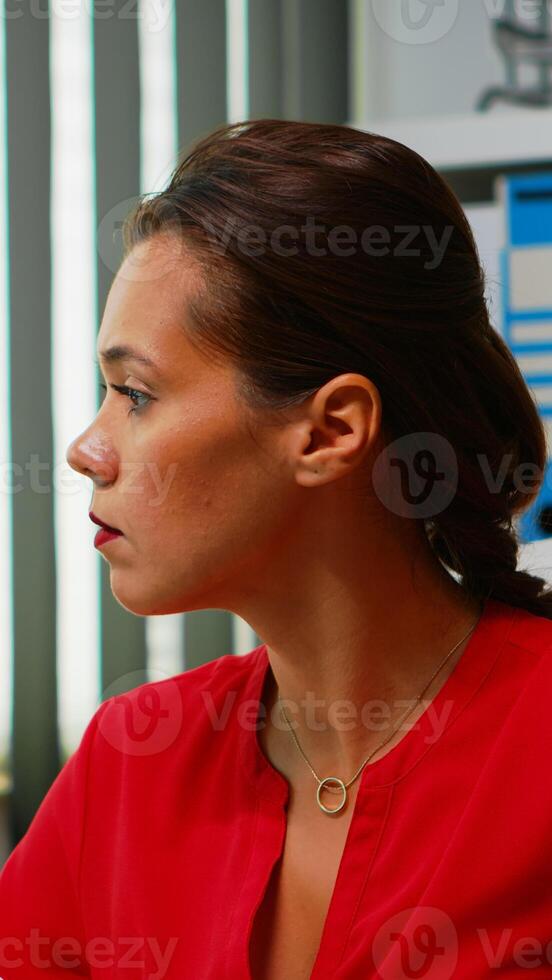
point(343, 788)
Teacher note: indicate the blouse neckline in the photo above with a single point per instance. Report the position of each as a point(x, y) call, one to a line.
point(482, 650)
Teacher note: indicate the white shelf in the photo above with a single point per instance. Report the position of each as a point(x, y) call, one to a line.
point(473, 140)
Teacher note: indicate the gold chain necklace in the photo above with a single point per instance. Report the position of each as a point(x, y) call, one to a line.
point(334, 780)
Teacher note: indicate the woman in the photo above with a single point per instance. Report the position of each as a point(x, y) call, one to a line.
point(309, 421)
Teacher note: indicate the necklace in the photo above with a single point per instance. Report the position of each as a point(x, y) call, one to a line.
point(334, 780)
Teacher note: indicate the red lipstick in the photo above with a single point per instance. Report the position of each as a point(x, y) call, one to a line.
point(106, 532)
point(103, 536)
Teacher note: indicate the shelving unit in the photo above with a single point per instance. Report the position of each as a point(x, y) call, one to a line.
point(471, 149)
point(498, 138)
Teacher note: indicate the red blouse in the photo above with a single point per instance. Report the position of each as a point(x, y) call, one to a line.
point(151, 851)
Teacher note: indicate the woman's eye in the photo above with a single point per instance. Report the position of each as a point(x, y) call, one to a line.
point(130, 393)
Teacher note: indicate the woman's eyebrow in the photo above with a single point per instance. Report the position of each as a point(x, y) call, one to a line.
point(121, 352)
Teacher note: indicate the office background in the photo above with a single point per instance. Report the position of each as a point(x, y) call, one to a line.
point(98, 100)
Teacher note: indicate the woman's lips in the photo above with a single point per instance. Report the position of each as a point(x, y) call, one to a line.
point(106, 532)
point(104, 535)
point(102, 524)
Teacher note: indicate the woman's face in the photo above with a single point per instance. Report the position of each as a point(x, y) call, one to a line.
point(195, 495)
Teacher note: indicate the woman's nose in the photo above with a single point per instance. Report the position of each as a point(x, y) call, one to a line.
point(90, 455)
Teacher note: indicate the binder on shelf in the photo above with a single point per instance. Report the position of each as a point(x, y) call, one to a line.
point(526, 267)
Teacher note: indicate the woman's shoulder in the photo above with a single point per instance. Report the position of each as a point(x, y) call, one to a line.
point(152, 717)
point(531, 634)
point(527, 656)
point(215, 675)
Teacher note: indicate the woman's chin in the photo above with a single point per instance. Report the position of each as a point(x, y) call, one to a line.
point(135, 601)
point(145, 595)
point(141, 604)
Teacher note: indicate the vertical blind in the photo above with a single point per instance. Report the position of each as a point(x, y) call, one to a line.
point(98, 102)
point(6, 587)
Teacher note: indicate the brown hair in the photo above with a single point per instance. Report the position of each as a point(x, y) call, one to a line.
point(291, 319)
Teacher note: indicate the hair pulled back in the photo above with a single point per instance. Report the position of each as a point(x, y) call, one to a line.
point(291, 317)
